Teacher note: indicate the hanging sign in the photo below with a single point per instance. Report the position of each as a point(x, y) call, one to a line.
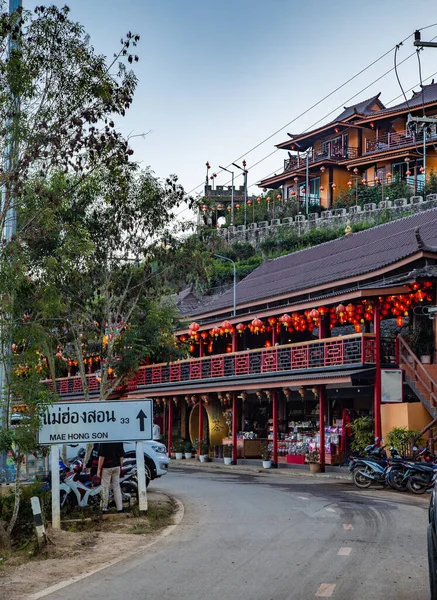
point(112, 421)
point(391, 385)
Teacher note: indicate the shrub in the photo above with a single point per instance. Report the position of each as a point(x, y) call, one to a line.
point(363, 433)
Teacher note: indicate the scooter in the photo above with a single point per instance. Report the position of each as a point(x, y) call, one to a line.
point(370, 468)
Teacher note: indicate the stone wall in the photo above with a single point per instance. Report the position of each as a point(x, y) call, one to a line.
point(370, 214)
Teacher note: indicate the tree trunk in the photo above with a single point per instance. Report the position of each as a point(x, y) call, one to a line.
point(5, 540)
point(17, 496)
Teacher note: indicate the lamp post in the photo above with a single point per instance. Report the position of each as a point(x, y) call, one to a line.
point(232, 193)
point(243, 168)
point(307, 183)
point(235, 280)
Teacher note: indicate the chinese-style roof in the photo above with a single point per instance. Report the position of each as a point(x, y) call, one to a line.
point(362, 109)
point(348, 257)
point(425, 96)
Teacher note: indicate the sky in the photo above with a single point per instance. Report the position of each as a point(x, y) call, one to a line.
point(217, 77)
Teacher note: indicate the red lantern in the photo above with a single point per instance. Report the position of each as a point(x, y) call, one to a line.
point(364, 181)
point(183, 338)
point(314, 314)
point(285, 320)
point(192, 348)
point(257, 325)
point(259, 200)
point(271, 321)
point(269, 199)
point(279, 197)
point(194, 327)
point(219, 206)
point(237, 207)
point(350, 309)
point(340, 310)
point(321, 188)
point(357, 328)
point(240, 328)
point(400, 321)
point(333, 185)
point(408, 173)
point(229, 209)
point(422, 170)
point(268, 344)
point(293, 193)
point(249, 203)
point(227, 327)
point(349, 183)
point(215, 331)
point(204, 335)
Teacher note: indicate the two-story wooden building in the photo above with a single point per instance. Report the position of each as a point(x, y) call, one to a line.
point(308, 348)
point(367, 144)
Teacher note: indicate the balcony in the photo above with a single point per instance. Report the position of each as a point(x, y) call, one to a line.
point(398, 139)
point(331, 153)
point(346, 351)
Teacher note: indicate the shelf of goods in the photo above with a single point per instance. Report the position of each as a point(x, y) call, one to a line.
point(246, 448)
point(302, 437)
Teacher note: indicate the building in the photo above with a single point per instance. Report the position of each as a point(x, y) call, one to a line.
point(313, 343)
point(365, 145)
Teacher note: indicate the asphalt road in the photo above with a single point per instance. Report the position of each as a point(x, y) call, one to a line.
point(271, 537)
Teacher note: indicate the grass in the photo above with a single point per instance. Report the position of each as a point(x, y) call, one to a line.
point(159, 515)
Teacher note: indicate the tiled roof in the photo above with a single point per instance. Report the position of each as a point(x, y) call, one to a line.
point(346, 257)
point(429, 96)
point(362, 108)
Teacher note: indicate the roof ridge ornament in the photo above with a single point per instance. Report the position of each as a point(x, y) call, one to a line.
point(420, 243)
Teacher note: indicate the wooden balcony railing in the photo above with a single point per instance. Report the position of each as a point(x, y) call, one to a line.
point(298, 162)
point(349, 350)
point(398, 139)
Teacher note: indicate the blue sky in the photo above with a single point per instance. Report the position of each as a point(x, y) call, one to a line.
point(218, 76)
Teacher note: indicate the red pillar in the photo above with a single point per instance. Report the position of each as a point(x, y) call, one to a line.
point(234, 428)
point(200, 437)
point(274, 335)
point(377, 387)
point(200, 349)
point(234, 341)
point(397, 356)
point(322, 396)
point(170, 426)
point(275, 427)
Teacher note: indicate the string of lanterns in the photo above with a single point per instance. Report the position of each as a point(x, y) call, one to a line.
point(351, 314)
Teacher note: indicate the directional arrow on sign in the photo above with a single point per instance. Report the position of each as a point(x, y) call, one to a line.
point(141, 416)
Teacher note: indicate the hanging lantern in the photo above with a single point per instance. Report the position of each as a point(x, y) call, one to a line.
point(229, 209)
point(321, 188)
point(408, 173)
point(237, 207)
point(269, 199)
point(357, 327)
point(204, 335)
point(349, 183)
point(399, 321)
point(268, 344)
point(303, 191)
point(194, 327)
point(257, 326)
point(227, 327)
point(340, 310)
point(259, 200)
point(314, 314)
point(333, 185)
point(229, 348)
point(315, 391)
point(219, 206)
point(240, 328)
point(215, 332)
point(350, 309)
point(322, 169)
point(249, 203)
point(422, 170)
point(192, 348)
point(279, 197)
point(301, 391)
point(389, 176)
point(364, 181)
point(293, 193)
point(183, 338)
point(285, 320)
point(272, 321)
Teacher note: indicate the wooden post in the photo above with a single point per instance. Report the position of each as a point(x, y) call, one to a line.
point(275, 428)
point(170, 426)
point(322, 393)
point(377, 386)
point(234, 428)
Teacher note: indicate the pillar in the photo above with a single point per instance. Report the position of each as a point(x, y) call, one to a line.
point(322, 396)
point(275, 427)
point(170, 425)
point(183, 428)
point(274, 335)
point(201, 348)
point(377, 386)
point(234, 428)
point(234, 341)
point(200, 436)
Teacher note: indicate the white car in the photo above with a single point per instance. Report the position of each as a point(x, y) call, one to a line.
point(156, 460)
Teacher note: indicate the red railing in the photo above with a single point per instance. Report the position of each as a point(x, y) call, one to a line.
point(416, 372)
point(356, 349)
point(396, 139)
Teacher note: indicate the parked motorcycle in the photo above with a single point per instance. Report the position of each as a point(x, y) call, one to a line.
point(370, 467)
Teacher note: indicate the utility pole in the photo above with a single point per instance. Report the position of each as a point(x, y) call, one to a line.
point(9, 229)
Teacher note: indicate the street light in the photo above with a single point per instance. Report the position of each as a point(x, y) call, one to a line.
point(232, 193)
point(243, 168)
point(235, 279)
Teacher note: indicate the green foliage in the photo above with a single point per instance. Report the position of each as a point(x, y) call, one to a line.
point(178, 445)
point(312, 457)
point(401, 438)
point(363, 433)
point(372, 194)
point(24, 528)
point(266, 453)
point(420, 338)
point(431, 183)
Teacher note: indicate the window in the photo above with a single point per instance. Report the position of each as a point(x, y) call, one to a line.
point(314, 196)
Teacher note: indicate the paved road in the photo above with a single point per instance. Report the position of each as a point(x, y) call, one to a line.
point(275, 538)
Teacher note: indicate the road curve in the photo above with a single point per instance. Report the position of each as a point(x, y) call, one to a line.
point(267, 537)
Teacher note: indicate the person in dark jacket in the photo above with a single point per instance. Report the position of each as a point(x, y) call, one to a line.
point(111, 457)
point(93, 460)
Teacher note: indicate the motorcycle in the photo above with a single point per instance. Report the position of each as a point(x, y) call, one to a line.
point(370, 467)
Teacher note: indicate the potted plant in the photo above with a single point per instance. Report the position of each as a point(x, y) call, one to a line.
point(178, 447)
point(227, 454)
point(202, 448)
point(421, 342)
point(188, 449)
point(313, 459)
point(266, 455)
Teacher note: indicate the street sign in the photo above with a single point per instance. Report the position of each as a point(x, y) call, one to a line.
point(112, 421)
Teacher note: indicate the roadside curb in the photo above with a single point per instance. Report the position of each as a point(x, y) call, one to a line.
point(178, 516)
point(245, 469)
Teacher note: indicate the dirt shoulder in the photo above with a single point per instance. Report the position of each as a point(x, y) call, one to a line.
point(89, 544)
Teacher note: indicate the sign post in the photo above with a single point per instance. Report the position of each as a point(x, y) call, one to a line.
point(56, 507)
point(91, 422)
point(142, 488)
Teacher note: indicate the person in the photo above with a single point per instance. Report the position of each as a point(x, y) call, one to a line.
point(247, 427)
point(109, 467)
point(93, 461)
point(156, 432)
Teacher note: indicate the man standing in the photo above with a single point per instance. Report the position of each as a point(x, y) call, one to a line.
point(109, 469)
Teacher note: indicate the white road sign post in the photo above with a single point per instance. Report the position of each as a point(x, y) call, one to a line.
point(91, 422)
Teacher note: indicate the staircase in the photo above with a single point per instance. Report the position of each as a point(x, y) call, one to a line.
point(422, 379)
